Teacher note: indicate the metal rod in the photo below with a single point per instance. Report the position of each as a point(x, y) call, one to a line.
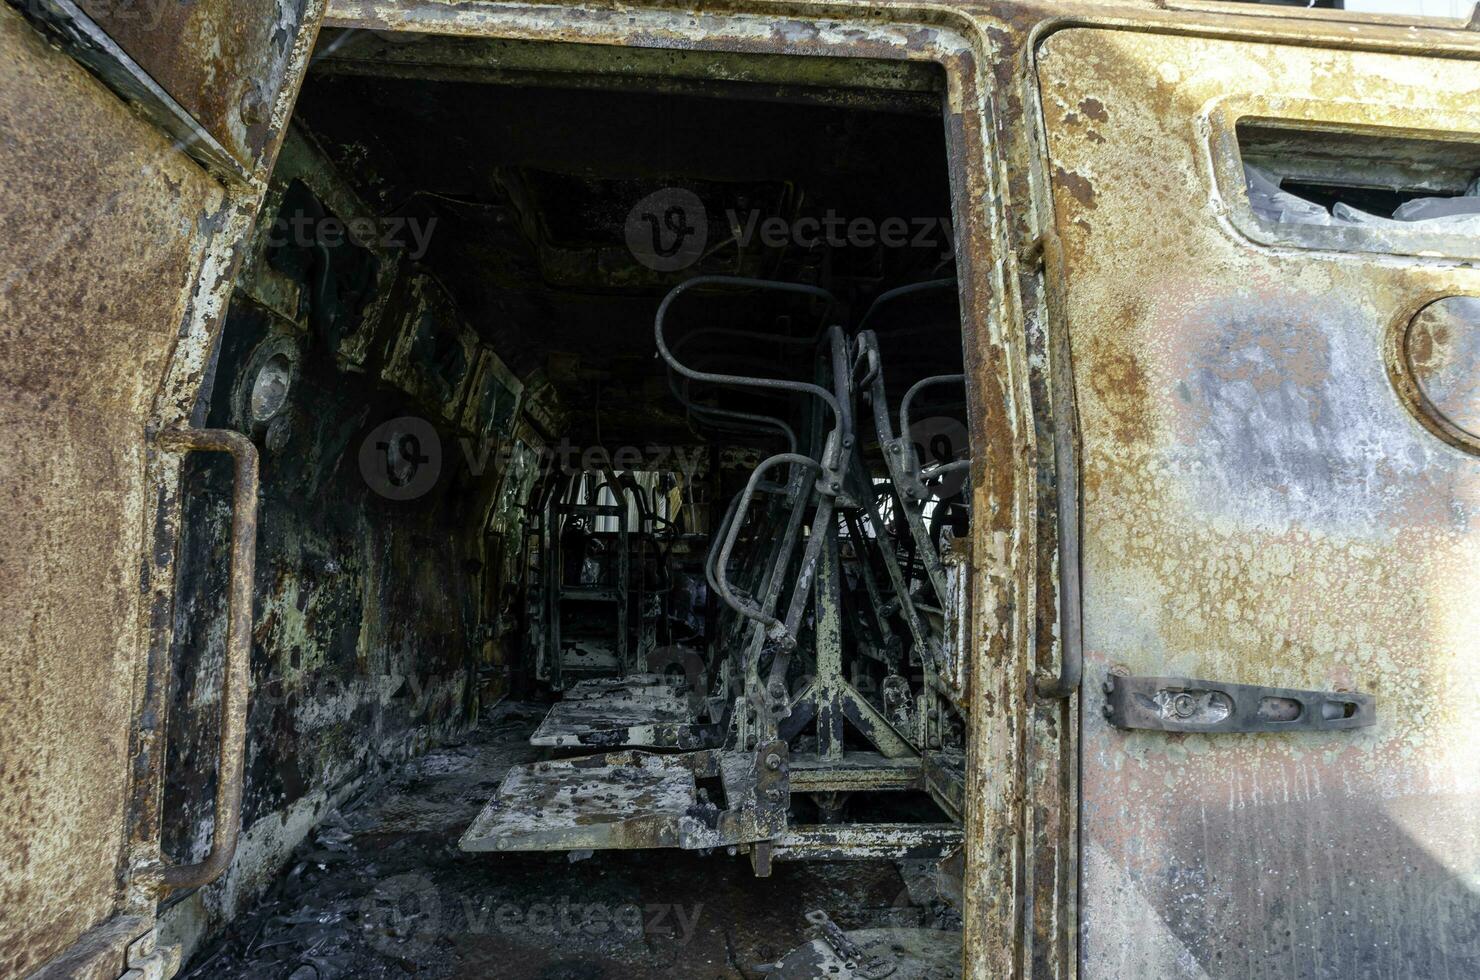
point(916, 388)
point(884, 298)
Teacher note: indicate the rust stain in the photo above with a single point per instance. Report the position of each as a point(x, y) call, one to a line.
point(215, 58)
point(1120, 382)
point(1258, 508)
point(1076, 186)
point(101, 218)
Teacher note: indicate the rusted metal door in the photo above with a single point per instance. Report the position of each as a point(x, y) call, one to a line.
point(207, 72)
point(1266, 502)
point(116, 248)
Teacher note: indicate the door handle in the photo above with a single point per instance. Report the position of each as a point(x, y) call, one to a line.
point(1066, 452)
point(226, 822)
point(1183, 704)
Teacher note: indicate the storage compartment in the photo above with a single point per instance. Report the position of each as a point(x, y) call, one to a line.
point(614, 540)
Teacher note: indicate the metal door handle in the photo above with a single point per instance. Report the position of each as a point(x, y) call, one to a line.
point(1066, 463)
point(1183, 704)
point(226, 823)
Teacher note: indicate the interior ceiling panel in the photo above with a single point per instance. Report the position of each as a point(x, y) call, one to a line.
point(531, 187)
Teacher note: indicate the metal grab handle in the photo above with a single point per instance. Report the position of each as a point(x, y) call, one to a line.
point(1066, 464)
point(226, 823)
point(1185, 704)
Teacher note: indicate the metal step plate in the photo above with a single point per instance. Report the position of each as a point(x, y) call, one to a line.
point(631, 800)
point(586, 804)
point(643, 711)
point(597, 687)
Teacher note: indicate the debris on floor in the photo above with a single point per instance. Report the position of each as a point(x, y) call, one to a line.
point(382, 890)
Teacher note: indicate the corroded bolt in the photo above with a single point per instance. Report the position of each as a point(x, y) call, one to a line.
point(253, 106)
point(773, 762)
point(773, 794)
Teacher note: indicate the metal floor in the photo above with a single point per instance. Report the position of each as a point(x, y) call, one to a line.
point(382, 890)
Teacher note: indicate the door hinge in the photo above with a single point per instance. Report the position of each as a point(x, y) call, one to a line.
point(148, 960)
point(1183, 704)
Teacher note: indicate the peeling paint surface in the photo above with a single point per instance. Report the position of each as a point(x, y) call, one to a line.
point(1441, 348)
point(1260, 508)
point(104, 225)
point(1258, 502)
point(216, 59)
point(362, 651)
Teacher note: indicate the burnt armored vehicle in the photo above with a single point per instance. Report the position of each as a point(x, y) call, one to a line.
point(972, 489)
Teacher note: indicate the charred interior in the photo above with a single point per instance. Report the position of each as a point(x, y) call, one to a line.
point(620, 392)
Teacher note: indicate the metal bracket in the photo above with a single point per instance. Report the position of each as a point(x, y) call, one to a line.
point(1183, 704)
point(88, 43)
point(148, 960)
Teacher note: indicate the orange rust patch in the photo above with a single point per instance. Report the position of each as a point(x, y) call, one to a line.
point(1120, 383)
point(1423, 342)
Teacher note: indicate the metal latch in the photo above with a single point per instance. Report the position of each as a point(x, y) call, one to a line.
point(1183, 704)
point(148, 960)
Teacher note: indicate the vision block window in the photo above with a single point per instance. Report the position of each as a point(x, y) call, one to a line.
point(1405, 193)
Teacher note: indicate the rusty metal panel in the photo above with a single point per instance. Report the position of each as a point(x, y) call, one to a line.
point(105, 224)
point(223, 61)
point(1261, 506)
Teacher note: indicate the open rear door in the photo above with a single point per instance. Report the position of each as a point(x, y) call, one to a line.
point(130, 166)
point(1281, 504)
